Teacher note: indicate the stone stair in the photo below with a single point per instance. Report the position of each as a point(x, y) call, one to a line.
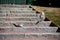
point(19, 21)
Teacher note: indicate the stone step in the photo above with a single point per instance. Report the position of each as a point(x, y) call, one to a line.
point(13, 8)
point(16, 6)
point(29, 29)
point(16, 11)
point(18, 22)
point(3, 8)
point(19, 19)
point(45, 23)
point(41, 38)
point(7, 8)
point(28, 35)
point(26, 24)
point(18, 15)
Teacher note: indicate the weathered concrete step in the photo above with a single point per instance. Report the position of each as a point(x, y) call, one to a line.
point(10, 23)
point(2, 24)
point(16, 11)
point(5, 15)
point(29, 35)
point(45, 23)
point(17, 6)
point(19, 19)
point(22, 17)
point(41, 38)
point(13, 8)
point(26, 24)
point(17, 22)
point(19, 15)
point(29, 30)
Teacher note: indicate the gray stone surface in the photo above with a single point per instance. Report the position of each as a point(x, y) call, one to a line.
point(19, 19)
point(25, 17)
point(45, 23)
point(17, 6)
point(38, 29)
point(16, 11)
point(31, 35)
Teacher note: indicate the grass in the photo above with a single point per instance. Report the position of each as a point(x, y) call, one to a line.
point(52, 14)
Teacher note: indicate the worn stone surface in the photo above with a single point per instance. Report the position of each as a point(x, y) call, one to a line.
point(42, 38)
point(38, 29)
point(19, 21)
point(30, 35)
point(17, 6)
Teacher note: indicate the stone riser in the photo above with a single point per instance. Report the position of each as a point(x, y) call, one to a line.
point(8, 11)
point(16, 6)
point(47, 23)
point(41, 38)
point(17, 23)
point(5, 15)
point(19, 19)
point(13, 8)
point(16, 15)
point(44, 23)
point(12, 5)
point(16, 11)
point(19, 14)
point(34, 14)
point(30, 35)
point(38, 29)
point(21, 22)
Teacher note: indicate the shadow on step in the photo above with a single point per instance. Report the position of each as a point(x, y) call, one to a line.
point(46, 19)
point(53, 25)
point(30, 7)
point(58, 30)
point(16, 25)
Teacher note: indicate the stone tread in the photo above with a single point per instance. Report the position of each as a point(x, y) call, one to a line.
point(15, 33)
point(18, 17)
point(15, 6)
point(4, 8)
point(42, 38)
point(28, 34)
point(16, 11)
point(30, 29)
